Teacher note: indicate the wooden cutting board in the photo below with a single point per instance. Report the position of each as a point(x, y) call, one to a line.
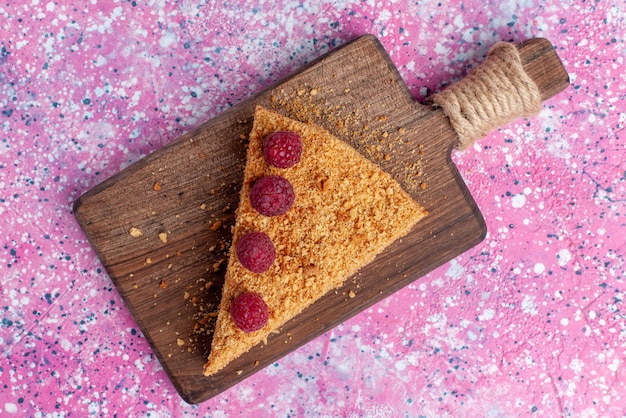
point(161, 227)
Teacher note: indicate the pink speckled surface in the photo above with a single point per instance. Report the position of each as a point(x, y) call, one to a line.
point(529, 322)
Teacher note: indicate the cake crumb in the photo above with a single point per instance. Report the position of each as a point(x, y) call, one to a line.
point(351, 294)
point(216, 225)
point(217, 264)
point(157, 187)
point(239, 372)
point(135, 232)
point(311, 270)
point(180, 342)
point(148, 260)
point(163, 284)
point(163, 237)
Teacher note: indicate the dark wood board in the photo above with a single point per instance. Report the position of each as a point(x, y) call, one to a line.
point(188, 190)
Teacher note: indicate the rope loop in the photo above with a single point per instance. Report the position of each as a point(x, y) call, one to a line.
point(494, 94)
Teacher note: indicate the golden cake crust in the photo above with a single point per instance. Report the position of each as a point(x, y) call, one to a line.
point(346, 211)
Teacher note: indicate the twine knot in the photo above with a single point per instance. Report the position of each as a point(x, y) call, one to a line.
point(494, 94)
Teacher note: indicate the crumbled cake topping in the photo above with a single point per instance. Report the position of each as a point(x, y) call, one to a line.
point(346, 212)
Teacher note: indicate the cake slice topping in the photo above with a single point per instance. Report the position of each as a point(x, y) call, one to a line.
point(256, 252)
point(249, 312)
point(282, 149)
point(272, 195)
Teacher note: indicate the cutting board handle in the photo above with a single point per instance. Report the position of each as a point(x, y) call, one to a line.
point(509, 84)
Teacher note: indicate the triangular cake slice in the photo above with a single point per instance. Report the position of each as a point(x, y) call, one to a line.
point(346, 211)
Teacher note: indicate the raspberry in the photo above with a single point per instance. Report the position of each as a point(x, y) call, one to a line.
point(255, 250)
point(249, 312)
point(272, 195)
point(282, 149)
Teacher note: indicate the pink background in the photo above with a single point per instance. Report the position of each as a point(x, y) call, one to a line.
point(530, 321)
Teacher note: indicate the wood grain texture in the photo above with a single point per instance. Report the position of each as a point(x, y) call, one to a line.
point(188, 191)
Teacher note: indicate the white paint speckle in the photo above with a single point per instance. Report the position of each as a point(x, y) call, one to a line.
point(438, 282)
point(529, 306)
point(455, 271)
point(487, 315)
point(458, 21)
point(139, 365)
point(576, 365)
point(93, 408)
point(539, 268)
point(66, 345)
point(441, 50)
point(10, 408)
point(564, 257)
point(559, 147)
point(518, 201)
point(167, 39)
point(564, 321)
point(400, 365)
